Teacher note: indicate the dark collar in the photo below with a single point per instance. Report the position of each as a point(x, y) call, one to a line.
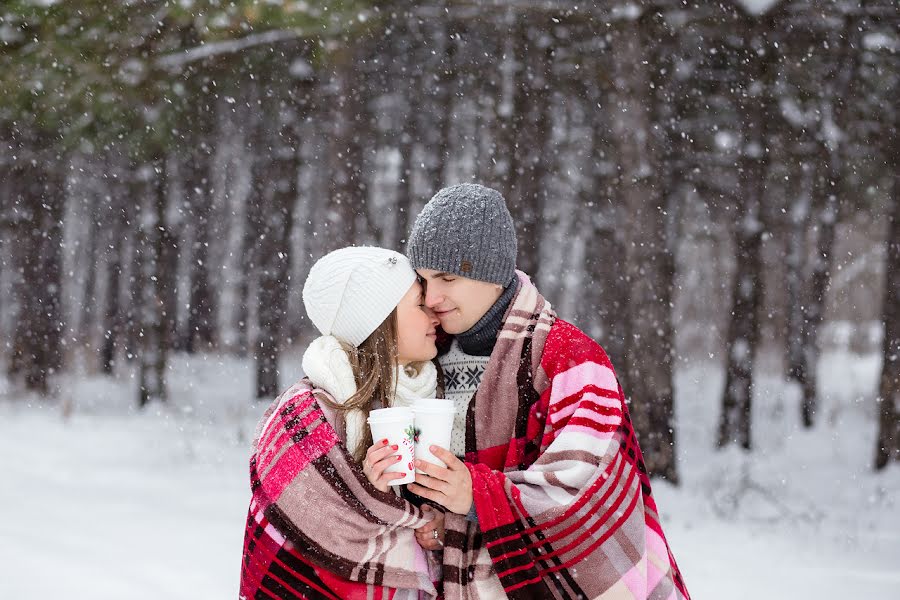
point(480, 339)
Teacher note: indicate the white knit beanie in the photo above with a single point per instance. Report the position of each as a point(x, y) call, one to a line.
point(351, 291)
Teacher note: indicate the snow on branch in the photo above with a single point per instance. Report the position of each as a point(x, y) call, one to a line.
point(178, 60)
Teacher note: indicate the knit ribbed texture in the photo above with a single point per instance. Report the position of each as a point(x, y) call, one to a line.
point(466, 230)
point(351, 291)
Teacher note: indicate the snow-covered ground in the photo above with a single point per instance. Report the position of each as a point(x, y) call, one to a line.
point(112, 503)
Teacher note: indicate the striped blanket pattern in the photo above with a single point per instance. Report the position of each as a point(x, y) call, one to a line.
point(564, 503)
point(316, 527)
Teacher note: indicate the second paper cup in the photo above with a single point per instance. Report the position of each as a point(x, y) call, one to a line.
point(434, 425)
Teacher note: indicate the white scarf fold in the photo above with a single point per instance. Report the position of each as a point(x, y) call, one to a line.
point(327, 366)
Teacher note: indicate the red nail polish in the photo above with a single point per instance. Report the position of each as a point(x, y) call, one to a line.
point(398, 457)
point(384, 442)
point(395, 447)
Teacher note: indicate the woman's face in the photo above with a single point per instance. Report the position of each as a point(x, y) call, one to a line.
point(416, 326)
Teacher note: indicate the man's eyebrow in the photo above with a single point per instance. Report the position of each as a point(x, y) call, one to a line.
point(442, 274)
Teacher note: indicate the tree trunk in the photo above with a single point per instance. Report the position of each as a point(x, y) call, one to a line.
point(404, 185)
point(89, 305)
point(795, 272)
point(825, 190)
point(112, 318)
point(349, 190)
point(37, 352)
point(202, 308)
point(743, 335)
point(434, 90)
point(887, 449)
point(532, 145)
point(281, 170)
point(257, 151)
point(7, 184)
point(133, 249)
point(756, 106)
point(155, 241)
point(649, 267)
point(604, 251)
point(524, 124)
point(509, 110)
point(837, 92)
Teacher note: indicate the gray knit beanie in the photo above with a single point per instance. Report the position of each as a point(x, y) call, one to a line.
point(466, 230)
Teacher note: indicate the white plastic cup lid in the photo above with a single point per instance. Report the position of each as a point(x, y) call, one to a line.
point(398, 413)
point(434, 405)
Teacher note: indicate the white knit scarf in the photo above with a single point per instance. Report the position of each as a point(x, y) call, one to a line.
point(327, 366)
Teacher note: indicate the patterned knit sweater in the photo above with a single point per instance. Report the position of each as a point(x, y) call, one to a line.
point(462, 376)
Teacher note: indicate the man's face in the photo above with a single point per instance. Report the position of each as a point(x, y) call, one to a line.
point(458, 302)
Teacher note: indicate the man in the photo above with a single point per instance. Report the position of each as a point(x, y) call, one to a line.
point(553, 499)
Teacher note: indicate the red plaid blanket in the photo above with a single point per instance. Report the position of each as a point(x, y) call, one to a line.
point(564, 503)
point(316, 527)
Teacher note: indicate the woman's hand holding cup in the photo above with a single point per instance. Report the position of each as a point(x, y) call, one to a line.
point(379, 457)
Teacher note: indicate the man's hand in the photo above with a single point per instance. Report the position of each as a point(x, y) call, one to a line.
point(450, 487)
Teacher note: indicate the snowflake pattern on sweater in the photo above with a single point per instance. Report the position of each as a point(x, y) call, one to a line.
point(462, 376)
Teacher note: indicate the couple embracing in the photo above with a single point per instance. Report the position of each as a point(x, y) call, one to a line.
point(544, 493)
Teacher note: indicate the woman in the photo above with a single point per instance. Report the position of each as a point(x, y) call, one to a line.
point(323, 520)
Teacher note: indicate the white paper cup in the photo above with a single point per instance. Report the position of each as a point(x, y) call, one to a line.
point(434, 426)
point(396, 424)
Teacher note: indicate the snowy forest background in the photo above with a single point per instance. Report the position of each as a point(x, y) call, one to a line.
point(709, 189)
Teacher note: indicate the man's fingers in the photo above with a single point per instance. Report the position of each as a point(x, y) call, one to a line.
point(433, 470)
point(426, 493)
point(448, 457)
point(433, 483)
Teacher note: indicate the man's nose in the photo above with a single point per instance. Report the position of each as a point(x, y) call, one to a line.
point(432, 297)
